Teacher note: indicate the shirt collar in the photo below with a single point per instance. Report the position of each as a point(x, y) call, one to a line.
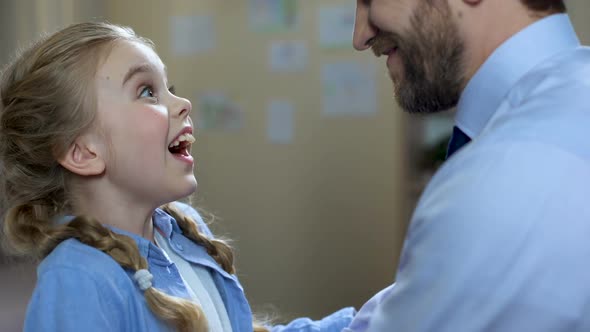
point(507, 65)
point(166, 223)
point(142, 243)
point(161, 220)
point(198, 255)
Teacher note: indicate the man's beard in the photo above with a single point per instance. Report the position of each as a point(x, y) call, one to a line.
point(431, 52)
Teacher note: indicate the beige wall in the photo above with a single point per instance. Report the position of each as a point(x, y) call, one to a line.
point(318, 223)
point(23, 20)
point(7, 23)
point(579, 11)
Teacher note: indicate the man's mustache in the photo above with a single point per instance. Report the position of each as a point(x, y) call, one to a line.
point(384, 42)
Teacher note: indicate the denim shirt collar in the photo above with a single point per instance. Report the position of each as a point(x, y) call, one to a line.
point(166, 223)
point(147, 249)
point(170, 229)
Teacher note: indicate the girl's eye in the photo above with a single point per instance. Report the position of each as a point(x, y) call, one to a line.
point(147, 92)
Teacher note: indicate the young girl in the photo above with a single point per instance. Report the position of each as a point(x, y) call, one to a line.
point(94, 147)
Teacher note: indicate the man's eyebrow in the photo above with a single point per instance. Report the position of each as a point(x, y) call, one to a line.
point(142, 68)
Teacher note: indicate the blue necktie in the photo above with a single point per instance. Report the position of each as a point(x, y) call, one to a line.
point(458, 139)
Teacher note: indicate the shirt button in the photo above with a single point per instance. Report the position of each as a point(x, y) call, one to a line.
point(178, 246)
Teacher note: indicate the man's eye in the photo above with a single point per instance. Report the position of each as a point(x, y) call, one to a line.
point(147, 92)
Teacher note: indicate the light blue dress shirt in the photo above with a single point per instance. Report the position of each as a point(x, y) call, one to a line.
point(80, 288)
point(500, 239)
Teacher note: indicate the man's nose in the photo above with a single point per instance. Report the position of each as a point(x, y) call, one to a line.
point(364, 31)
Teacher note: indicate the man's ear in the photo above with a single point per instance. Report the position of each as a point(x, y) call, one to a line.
point(83, 157)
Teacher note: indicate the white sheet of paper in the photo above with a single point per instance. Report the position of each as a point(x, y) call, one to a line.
point(288, 56)
point(216, 111)
point(280, 126)
point(192, 34)
point(273, 15)
point(349, 89)
point(336, 23)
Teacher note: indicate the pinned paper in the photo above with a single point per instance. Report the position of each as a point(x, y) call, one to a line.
point(288, 56)
point(349, 89)
point(274, 15)
point(280, 127)
point(217, 112)
point(192, 34)
point(336, 24)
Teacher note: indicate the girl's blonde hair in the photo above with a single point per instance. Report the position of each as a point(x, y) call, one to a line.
point(47, 101)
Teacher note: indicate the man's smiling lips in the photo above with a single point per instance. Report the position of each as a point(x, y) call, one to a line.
point(387, 48)
point(391, 55)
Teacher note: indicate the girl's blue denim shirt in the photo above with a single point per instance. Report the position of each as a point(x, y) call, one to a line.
point(80, 288)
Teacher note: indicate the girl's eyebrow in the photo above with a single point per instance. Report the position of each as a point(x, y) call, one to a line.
point(141, 68)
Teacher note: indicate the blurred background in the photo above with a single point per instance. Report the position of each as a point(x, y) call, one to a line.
point(302, 155)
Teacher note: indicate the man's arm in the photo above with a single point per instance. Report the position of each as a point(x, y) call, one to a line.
point(498, 242)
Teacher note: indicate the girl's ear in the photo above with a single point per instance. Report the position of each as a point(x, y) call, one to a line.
point(84, 157)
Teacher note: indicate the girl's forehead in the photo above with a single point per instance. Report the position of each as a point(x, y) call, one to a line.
point(126, 55)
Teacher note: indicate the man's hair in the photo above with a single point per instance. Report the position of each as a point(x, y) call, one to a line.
point(548, 6)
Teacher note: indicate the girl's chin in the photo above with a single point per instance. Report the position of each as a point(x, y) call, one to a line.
point(181, 192)
point(179, 189)
point(191, 187)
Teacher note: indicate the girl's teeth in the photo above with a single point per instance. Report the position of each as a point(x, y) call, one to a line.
point(184, 137)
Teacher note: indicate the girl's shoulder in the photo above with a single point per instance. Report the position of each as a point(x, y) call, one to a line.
point(75, 257)
point(79, 287)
